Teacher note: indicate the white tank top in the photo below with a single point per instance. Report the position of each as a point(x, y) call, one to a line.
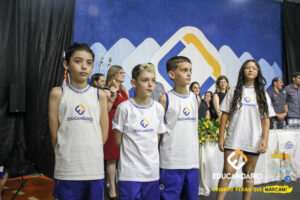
point(79, 149)
point(179, 148)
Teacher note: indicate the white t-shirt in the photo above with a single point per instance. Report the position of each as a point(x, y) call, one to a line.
point(139, 156)
point(244, 131)
point(79, 149)
point(179, 147)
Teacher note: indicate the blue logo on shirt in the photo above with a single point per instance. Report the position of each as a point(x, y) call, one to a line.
point(186, 111)
point(247, 99)
point(80, 109)
point(144, 123)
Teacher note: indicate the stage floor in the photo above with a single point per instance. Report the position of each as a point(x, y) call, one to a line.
point(41, 188)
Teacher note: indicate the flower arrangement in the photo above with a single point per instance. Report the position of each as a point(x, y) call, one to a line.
point(208, 130)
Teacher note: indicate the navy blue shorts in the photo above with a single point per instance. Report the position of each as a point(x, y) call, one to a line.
point(2, 174)
point(78, 190)
point(139, 190)
point(178, 184)
point(245, 152)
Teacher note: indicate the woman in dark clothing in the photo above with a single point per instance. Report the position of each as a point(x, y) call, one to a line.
point(222, 86)
point(203, 109)
point(208, 99)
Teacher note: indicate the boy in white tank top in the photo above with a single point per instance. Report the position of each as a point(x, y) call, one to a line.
point(137, 125)
point(179, 147)
point(78, 123)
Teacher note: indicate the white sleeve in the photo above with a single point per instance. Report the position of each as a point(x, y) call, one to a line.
point(226, 103)
point(119, 119)
point(161, 128)
point(270, 106)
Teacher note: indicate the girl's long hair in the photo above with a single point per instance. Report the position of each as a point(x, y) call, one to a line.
point(259, 86)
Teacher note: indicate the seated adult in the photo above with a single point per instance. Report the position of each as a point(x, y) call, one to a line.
point(279, 103)
point(292, 92)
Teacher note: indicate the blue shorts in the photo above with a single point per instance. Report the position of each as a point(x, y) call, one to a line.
point(139, 190)
point(2, 174)
point(78, 190)
point(178, 184)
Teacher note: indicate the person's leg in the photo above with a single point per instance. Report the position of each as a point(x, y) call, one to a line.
point(3, 179)
point(228, 171)
point(171, 183)
point(248, 170)
point(95, 190)
point(130, 190)
point(111, 176)
point(191, 184)
point(68, 190)
point(150, 190)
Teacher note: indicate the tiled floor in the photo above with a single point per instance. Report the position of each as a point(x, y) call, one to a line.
point(34, 188)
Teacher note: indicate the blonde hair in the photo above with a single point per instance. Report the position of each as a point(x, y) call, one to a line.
point(112, 72)
point(140, 68)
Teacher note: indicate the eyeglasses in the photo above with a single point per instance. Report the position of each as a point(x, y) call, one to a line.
point(253, 68)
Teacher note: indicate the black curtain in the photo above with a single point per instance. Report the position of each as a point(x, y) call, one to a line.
point(33, 35)
point(291, 39)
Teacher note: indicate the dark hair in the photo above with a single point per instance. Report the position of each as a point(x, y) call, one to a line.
point(295, 74)
point(211, 95)
point(275, 80)
point(192, 84)
point(173, 62)
point(95, 77)
point(141, 67)
point(77, 47)
point(259, 86)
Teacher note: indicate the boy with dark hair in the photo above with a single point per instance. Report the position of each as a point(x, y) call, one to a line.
point(179, 147)
point(293, 97)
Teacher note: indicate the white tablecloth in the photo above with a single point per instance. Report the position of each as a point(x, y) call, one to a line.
point(212, 160)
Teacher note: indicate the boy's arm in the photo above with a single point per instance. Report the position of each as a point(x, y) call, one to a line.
point(163, 100)
point(118, 137)
point(54, 101)
point(224, 118)
point(103, 115)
